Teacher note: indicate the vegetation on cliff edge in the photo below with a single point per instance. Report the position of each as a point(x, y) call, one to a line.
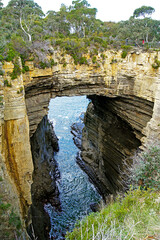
point(27, 32)
point(10, 227)
point(135, 215)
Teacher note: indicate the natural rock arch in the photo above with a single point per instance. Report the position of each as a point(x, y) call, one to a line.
point(130, 78)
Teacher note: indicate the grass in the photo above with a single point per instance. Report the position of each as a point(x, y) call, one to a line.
point(133, 217)
point(10, 227)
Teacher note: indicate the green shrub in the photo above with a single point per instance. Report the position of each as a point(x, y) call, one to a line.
point(98, 40)
point(25, 69)
point(113, 61)
point(16, 70)
point(10, 219)
point(95, 51)
point(104, 44)
point(44, 65)
point(20, 90)
point(82, 60)
point(14, 220)
point(146, 170)
point(124, 54)
point(52, 63)
point(1, 57)
point(64, 64)
point(1, 100)
point(103, 56)
point(1, 72)
point(156, 64)
point(94, 59)
point(4, 206)
point(7, 84)
point(132, 217)
point(126, 47)
point(11, 54)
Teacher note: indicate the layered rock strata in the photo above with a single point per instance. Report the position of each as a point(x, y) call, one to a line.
point(44, 144)
point(15, 152)
point(27, 97)
point(76, 130)
point(114, 76)
point(113, 130)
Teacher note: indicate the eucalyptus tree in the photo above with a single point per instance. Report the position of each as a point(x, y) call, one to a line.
point(21, 15)
point(81, 17)
point(1, 30)
point(1, 4)
point(139, 26)
point(143, 11)
point(56, 22)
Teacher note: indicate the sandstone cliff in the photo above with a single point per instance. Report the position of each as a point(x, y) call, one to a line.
point(15, 152)
point(112, 133)
point(132, 83)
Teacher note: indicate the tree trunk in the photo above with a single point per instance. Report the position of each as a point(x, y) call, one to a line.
point(147, 37)
point(29, 36)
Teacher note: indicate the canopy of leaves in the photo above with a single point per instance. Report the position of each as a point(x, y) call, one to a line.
point(1, 4)
point(143, 11)
point(24, 23)
point(20, 16)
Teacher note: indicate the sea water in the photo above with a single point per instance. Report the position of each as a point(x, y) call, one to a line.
point(76, 192)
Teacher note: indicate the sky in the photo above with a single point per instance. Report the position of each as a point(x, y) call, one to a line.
point(108, 10)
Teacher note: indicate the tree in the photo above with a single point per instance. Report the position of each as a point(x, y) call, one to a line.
point(1, 4)
point(23, 13)
point(147, 29)
point(143, 11)
point(81, 17)
point(56, 22)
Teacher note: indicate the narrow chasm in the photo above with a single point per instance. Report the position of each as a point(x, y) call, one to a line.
point(65, 183)
point(61, 191)
point(112, 133)
point(77, 194)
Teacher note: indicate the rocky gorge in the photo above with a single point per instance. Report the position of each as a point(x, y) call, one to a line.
point(44, 144)
point(124, 114)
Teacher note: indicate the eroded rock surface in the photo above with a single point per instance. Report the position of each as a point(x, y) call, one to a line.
point(44, 144)
point(24, 103)
point(113, 130)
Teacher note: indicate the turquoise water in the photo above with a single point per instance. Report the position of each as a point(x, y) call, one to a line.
point(76, 192)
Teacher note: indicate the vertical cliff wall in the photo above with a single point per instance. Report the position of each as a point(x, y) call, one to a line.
point(17, 166)
point(113, 130)
point(133, 86)
point(44, 144)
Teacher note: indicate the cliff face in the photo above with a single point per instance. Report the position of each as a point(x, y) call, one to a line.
point(112, 133)
point(44, 190)
point(131, 83)
point(132, 76)
point(15, 151)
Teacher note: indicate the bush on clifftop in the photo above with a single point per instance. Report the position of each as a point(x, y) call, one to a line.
point(134, 216)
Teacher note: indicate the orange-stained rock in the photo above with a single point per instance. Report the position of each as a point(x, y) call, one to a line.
point(24, 104)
